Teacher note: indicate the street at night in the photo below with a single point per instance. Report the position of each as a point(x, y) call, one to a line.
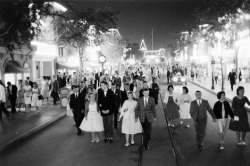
point(124, 82)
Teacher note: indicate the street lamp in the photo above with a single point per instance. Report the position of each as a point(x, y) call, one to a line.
point(102, 60)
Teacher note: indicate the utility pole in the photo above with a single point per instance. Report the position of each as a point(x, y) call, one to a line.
point(152, 38)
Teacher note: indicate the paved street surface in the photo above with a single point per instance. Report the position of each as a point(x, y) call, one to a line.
point(58, 145)
point(20, 123)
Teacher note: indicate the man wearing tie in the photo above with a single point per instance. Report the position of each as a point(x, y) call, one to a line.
point(198, 112)
point(12, 93)
point(116, 89)
point(145, 111)
point(77, 107)
point(106, 104)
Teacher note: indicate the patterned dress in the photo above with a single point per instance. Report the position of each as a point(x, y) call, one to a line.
point(171, 110)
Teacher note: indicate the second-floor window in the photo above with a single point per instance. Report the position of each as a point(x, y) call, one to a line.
point(61, 51)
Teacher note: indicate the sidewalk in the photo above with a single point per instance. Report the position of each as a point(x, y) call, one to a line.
point(207, 84)
point(21, 125)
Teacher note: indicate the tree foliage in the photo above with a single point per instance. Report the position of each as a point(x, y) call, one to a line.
point(20, 20)
point(72, 28)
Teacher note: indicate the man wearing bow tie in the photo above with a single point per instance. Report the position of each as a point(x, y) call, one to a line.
point(198, 112)
point(77, 107)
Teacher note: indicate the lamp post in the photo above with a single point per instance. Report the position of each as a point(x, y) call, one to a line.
point(212, 63)
point(102, 60)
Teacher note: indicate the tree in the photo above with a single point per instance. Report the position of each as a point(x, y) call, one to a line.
point(134, 49)
point(20, 21)
point(78, 26)
point(113, 45)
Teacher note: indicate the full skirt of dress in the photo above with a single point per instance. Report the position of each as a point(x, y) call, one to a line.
point(184, 111)
point(129, 126)
point(93, 123)
point(34, 101)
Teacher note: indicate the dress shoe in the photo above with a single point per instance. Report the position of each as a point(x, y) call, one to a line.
point(111, 140)
point(106, 139)
point(146, 147)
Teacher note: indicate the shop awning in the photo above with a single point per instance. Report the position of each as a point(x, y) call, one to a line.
point(65, 66)
point(15, 67)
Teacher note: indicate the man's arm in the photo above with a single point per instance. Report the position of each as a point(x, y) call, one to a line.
point(193, 112)
point(137, 110)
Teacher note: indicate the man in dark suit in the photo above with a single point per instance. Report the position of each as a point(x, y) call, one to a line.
point(77, 107)
point(232, 78)
point(106, 105)
point(118, 80)
point(30, 82)
point(124, 94)
point(145, 86)
point(116, 89)
point(55, 90)
point(145, 111)
point(12, 93)
point(168, 75)
point(198, 112)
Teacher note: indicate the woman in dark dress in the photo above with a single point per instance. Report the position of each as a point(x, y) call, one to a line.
point(171, 109)
point(241, 125)
point(155, 90)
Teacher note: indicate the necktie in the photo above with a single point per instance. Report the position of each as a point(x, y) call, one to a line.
point(146, 103)
point(76, 95)
point(199, 103)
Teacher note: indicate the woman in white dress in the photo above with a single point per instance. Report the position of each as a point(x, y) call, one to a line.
point(184, 103)
point(35, 102)
point(93, 120)
point(129, 126)
point(45, 89)
point(27, 96)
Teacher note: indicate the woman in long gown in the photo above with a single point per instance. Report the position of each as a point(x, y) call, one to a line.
point(171, 109)
point(92, 121)
point(45, 89)
point(20, 94)
point(240, 123)
point(35, 102)
point(184, 103)
point(27, 96)
point(129, 126)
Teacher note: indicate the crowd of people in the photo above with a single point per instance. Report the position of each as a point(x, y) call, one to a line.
point(97, 102)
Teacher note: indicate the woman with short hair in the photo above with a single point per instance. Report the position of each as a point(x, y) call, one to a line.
point(240, 123)
point(92, 121)
point(221, 110)
point(129, 126)
point(27, 96)
point(171, 109)
point(184, 103)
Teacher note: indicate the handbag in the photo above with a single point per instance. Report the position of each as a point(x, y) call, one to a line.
point(40, 97)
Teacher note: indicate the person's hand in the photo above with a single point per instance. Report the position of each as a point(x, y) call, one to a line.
point(214, 120)
point(107, 111)
point(125, 110)
point(103, 111)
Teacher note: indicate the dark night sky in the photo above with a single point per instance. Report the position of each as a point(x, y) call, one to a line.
point(137, 17)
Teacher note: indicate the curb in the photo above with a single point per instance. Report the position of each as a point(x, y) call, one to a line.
point(32, 131)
